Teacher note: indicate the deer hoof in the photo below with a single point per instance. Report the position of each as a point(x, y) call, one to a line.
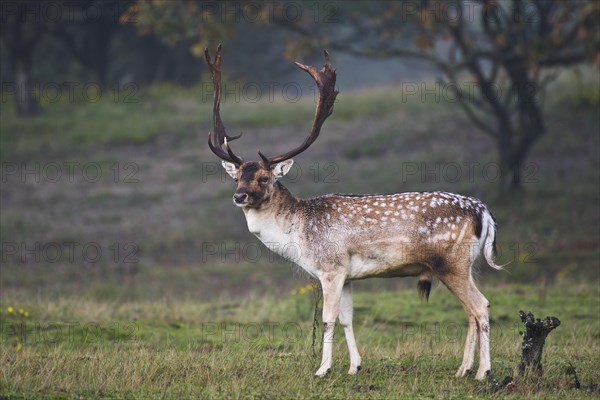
point(481, 375)
point(354, 370)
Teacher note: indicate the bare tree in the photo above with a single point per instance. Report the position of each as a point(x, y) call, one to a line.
point(508, 48)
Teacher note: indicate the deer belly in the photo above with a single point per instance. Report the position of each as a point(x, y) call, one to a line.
point(382, 265)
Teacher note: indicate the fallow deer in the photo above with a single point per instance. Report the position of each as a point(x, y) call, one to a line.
point(339, 238)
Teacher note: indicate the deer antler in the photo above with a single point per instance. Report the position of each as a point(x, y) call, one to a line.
point(325, 79)
point(220, 137)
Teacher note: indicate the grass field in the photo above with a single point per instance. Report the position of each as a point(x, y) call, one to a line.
point(260, 347)
point(178, 306)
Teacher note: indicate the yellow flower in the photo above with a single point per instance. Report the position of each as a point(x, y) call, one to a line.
point(566, 271)
point(10, 309)
point(19, 346)
point(302, 289)
point(26, 314)
point(21, 311)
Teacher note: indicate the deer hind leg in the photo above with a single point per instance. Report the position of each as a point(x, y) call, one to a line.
point(346, 322)
point(476, 307)
point(482, 318)
point(469, 354)
point(332, 292)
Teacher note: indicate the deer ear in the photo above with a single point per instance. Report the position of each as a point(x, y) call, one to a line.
point(231, 168)
point(282, 168)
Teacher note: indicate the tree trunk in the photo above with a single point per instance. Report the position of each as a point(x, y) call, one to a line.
point(516, 138)
point(510, 167)
point(27, 103)
point(97, 51)
point(511, 158)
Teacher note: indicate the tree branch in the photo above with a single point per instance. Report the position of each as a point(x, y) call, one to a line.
point(464, 104)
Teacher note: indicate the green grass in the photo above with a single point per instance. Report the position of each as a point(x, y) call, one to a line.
point(257, 347)
point(66, 128)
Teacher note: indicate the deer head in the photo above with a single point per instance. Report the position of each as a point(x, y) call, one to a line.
point(256, 180)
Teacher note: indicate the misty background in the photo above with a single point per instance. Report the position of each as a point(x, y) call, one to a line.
point(109, 189)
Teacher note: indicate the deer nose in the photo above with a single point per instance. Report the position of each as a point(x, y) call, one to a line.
point(240, 198)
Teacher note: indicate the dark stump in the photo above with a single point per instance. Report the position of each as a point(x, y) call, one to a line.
point(534, 337)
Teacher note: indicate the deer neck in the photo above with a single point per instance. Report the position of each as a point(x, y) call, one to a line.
point(275, 216)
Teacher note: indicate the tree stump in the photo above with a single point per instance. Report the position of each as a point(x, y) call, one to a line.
point(534, 338)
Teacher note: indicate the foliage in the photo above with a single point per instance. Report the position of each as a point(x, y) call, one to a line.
point(178, 20)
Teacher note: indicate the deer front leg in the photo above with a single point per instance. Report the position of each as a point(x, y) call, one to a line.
point(346, 322)
point(332, 292)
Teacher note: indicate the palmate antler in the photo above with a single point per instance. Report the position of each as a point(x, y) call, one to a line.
point(220, 138)
point(325, 80)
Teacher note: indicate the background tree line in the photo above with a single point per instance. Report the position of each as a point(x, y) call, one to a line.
point(511, 49)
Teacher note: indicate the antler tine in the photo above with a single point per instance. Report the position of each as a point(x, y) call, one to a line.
point(220, 137)
point(325, 80)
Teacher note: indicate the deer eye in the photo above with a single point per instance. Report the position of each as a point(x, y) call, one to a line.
point(235, 180)
point(264, 179)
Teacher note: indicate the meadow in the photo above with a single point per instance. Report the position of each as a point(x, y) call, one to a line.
point(260, 347)
point(181, 301)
